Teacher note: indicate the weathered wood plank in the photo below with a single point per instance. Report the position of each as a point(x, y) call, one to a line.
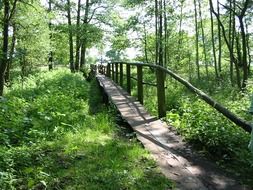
point(121, 74)
point(160, 76)
point(175, 158)
point(128, 74)
point(139, 83)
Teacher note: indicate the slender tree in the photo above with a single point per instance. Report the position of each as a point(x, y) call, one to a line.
point(179, 46)
point(156, 32)
point(248, 47)
point(203, 39)
point(165, 34)
point(241, 39)
point(196, 38)
point(84, 34)
point(70, 30)
point(229, 46)
point(4, 56)
point(145, 43)
point(244, 42)
point(77, 60)
point(8, 13)
point(11, 52)
point(231, 39)
point(219, 37)
point(160, 38)
point(50, 58)
point(217, 73)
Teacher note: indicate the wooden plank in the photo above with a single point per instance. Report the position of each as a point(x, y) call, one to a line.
point(117, 72)
point(140, 84)
point(160, 76)
point(108, 72)
point(113, 71)
point(175, 158)
point(121, 74)
point(128, 73)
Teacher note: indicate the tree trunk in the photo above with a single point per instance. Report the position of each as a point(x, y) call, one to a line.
point(71, 48)
point(165, 34)
point(83, 56)
point(160, 62)
point(203, 39)
point(217, 75)
point(196, 38)
point(145, 43)
point(238, 63)
point(231, 39)
point(84, 38)
point(189, 66)
point(248, 48)
point(4, 57)
point(77, 64)
point(12, 48)
point(219, 37)
point(234, 61)
point(229, 46)
point(156, 32)
point(179, 45)
point(244, 53)
point(50, 58)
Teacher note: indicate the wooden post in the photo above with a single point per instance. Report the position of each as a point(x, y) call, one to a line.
point(160, 76)
point(139, 83)
point(121, 74)
point(117, 72)
point(128, 73)
point(108, 70)
point(113, 75)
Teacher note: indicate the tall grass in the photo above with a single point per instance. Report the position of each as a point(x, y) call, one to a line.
point(55, 133)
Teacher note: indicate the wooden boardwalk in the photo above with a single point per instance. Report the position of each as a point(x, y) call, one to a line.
point(176, 159)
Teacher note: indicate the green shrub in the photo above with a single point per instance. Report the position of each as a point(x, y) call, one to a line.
point(56, 134)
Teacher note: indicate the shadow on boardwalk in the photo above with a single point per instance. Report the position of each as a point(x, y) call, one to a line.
point(177, 159)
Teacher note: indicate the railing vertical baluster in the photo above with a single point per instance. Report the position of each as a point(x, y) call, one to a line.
point(128, 73)
point(121, 74)
point(101, 68)
point(113, 73)
point(117, 72)
point(160, 76)
point(108, 70)
point(140, 83)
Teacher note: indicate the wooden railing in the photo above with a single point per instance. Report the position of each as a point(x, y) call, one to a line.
point(114, 70)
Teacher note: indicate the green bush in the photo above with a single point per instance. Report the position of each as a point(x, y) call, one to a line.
point(55, 133)
point(208, 129)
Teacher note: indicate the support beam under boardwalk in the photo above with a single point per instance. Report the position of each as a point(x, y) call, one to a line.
point(176, 159)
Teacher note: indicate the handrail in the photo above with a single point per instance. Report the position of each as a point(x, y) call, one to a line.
point(161, 92)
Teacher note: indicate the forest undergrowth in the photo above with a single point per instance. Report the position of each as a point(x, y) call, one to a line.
point(208, 131)
point(55, 133)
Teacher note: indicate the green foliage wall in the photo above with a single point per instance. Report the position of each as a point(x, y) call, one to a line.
point(33, 43)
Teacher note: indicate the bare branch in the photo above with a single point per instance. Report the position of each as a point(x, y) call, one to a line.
point(13, 9)
point(228, 8)
point(223, 30)
point(93, 13)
